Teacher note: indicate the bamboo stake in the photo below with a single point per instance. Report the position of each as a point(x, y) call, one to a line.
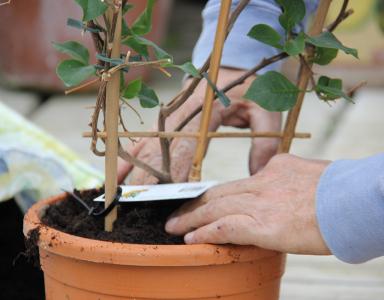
point(304, 77)
point(195, 174)
point(172, 134)
point(111, 120)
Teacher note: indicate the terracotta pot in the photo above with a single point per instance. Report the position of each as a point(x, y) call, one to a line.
point(27, 58)
point(78, 268)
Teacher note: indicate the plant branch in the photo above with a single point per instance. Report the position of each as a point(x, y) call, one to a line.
point(340, 17)
point(163, 177)
point(5, 3)
point(180, 99)
point(265, 62)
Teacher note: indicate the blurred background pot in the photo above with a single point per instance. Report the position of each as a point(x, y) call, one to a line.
point(28, 28)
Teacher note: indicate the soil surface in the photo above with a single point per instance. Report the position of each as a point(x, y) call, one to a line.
point(19, 280)
point(137, 223)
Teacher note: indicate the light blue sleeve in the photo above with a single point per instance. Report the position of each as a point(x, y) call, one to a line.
point(241, 51)
point(350, 208)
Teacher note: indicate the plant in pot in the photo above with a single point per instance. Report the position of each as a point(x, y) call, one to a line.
point(121, 251)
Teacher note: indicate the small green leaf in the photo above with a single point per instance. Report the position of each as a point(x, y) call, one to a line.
point(92, 8)
point(265, 34)
point(81, 25)
point(73, 72)
point(323, 56)
point(132, 89)
point(127, 7)
point(159, 52)
point(74, 50)
point(222, 96)
point(188, 68)
point(293, 13)
point(112, 61)
point(137, 46)
point(143, 24)
point(147, 97)
point(273, 92)
point(330, 89)
point(295, 46)
point(328, 40)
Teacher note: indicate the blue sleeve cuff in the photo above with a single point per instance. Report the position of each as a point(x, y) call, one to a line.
point(241, 51)
point(350, 208)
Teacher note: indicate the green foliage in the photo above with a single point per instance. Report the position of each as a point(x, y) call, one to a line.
point(92, 8)
point(74, 50)
point(220, 95)
point(295, 46)
point(132, 89)
point(188, 68)
point(143, 24)
point(266, 34)
point(73, 72)
point(328, 40)
point(293, 13)
point(330, 89)
point(159, 52)
point(324, 56)
point(147, 97)
point(273, 92)
point(81, 25)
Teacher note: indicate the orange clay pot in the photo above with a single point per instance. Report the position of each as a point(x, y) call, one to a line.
point(77, 268)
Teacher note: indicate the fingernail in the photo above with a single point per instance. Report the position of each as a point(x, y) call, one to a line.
point(188, 238)
point(171, 224)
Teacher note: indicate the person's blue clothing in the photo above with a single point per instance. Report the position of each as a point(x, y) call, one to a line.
point(350, 194)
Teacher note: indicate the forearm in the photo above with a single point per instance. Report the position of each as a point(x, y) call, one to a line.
point(350, 208)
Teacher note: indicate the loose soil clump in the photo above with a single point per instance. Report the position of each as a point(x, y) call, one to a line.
point(137, 223)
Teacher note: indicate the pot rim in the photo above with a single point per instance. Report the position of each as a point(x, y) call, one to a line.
point(61, 243)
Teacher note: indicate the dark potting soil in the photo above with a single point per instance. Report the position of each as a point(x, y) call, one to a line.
point(137, 223)
point(19, 280)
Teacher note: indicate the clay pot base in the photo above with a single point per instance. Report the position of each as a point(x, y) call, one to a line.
point(137, 223)
point(79, 268)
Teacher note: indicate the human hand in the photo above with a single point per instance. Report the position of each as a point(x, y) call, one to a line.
point(274, 209)
point(241, 113)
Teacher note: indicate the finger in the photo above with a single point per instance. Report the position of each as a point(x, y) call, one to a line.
point(263, 149)
point(125, 167)
point(233, 229)
point(196, 216)
point(247, 185)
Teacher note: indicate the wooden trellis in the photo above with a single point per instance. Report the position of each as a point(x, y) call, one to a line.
point(111, 134)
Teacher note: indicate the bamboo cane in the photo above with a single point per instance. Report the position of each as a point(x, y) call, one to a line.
point(176, 134)
point(111, 122)
point(195, 174)
point(305, 74)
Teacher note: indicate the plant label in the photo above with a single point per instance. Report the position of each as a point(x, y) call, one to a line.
point(172, 191)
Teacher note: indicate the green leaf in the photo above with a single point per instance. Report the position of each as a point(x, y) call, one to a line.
point(295, 46)
point(323, 56)
point(74, 50)
point(81, 25)
point(137, 46)
point(147, 97)
point(328, 40)
point(73, 72)
point(112, 61)
point(293, 13)
point(265, 34)
point(188, 68)
point(143, 23)
point(330, 89)
point(92, 8)
point(132, 89)
point(159, 52)
point(273, 92)
point(222, 96)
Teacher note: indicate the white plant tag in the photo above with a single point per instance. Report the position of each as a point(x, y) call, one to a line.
point(172, 191)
